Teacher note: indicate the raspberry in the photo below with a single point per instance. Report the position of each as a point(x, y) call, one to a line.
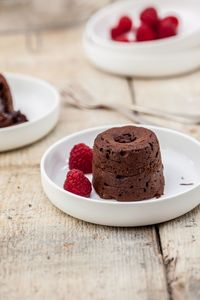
point(115, 32)
point(145, 33)
point(166, 29)
point(81, 158)
point(171, 20)
point(77, 183)
point(122, 38)
point(125, 24)
point(149, 16)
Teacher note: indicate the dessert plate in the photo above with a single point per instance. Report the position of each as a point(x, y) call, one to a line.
point(180, 155)
point(39, 101)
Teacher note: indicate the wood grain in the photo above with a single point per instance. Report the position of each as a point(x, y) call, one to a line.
point(180, 243)
point(46, 254)
point(178, 94)
point(179, 238)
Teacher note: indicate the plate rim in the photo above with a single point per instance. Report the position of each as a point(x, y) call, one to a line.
point(21, 76)
point(112, 201)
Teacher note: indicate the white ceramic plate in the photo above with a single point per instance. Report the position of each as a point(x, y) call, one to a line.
point(39, 101)
point(166, 57)
point(180, 154)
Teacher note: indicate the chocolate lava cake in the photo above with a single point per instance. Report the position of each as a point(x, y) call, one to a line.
point(127, 164)
point(8, 116)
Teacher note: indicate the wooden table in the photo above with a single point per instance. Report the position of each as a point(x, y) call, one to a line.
point(46, 254)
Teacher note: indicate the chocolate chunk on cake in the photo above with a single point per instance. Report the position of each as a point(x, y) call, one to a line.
point(8, 116)
point(127, 164)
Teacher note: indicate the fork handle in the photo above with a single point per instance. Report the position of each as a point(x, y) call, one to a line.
point(153, 113)
point(163, 115)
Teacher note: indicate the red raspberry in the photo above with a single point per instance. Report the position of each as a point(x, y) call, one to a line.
point(81, 158)
point(125, 24)
point(115, 32)
point(149, 16)
point(166, 30)
point(171, 20)
point(145, 33)
point(77, 183)
point(122, 38)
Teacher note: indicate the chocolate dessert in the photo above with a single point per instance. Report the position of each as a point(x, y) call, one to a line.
point(127, 164)
point(8, 116)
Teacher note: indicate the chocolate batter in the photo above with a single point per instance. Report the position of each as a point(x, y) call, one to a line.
point(8, 116)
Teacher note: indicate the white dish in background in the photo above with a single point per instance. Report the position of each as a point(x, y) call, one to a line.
point(188, 12)
point(39, 101)
point(180, 154)
point(142, 65)
point(166, 57)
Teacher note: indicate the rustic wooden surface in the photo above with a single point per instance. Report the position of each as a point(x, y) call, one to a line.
point(45, 254)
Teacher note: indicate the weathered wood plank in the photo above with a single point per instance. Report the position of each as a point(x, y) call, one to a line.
point(172, 94)
point(180, 94)
point(179, 238)
point(180, 245)
point(46, 254)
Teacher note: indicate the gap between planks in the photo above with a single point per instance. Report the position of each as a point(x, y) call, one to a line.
point(156, 227)
point(180, 237)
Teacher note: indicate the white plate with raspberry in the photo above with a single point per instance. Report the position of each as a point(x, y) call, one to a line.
point(180, 155)
point(164, 51)
point(39, 101)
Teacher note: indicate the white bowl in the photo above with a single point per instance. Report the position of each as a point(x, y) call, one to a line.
point(98, 27)
point(180, 154)
point(142, 64)
point(167, 57)
point(39, 101)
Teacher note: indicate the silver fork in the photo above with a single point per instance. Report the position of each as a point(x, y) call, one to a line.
point(77, 96)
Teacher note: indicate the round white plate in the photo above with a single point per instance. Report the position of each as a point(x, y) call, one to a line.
point(166, 57)
point(39, 101)
point(180, 154)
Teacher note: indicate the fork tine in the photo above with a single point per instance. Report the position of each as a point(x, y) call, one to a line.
point(79, 95)
point(71, 97)
point(84, 96)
